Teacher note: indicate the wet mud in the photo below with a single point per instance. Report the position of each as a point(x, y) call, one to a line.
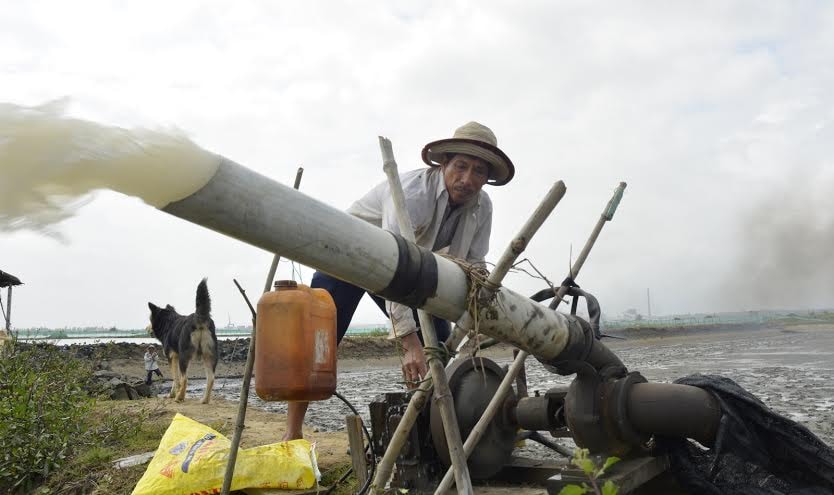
point(790, 370)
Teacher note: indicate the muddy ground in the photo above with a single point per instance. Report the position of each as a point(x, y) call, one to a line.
point(791, 369)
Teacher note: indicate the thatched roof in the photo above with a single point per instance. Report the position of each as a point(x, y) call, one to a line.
point(7, 279)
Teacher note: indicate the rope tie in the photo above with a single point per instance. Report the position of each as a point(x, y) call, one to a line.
point(440, 353)
point(477, 277)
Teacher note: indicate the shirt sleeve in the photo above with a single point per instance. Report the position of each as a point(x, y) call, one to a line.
point(419, 207)
point(402, 320)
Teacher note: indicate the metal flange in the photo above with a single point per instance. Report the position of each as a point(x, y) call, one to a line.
point(473, 382)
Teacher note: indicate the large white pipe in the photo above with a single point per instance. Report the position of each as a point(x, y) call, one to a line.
point(243, 204)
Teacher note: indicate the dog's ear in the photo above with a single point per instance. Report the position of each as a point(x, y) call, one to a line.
point(170, 308)
point(153, 307)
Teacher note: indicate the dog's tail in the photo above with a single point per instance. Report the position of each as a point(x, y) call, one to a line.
point(203, 301)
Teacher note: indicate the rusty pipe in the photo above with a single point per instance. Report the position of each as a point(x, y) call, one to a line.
point(674, 410)
point(619, 415)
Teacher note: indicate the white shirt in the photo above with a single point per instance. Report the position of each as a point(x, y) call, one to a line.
point(427, 201)
point(150, 361)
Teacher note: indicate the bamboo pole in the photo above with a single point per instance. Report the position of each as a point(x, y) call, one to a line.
point(271, 274)
point(495, 404)
point(607, 215)
point(241, 409)
point(438, 373)
point(528, 230)
point(518, 363)
point(521, 379)
point(9, 309)
point(353, 425)
point(247, 372)
point(418, 400)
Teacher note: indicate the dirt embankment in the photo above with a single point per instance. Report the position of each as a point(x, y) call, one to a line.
point(126, 357)
point(233, 349)
point(688, 331)
point(361, 348)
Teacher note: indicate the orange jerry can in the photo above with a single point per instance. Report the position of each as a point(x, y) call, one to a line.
point(295, 343)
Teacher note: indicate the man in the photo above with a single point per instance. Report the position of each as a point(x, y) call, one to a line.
point(449, 212)
point(150, 364)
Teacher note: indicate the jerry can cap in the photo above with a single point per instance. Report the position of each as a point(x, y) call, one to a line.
point(286, 284)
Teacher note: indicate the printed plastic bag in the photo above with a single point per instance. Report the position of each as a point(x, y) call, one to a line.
point(191, 459)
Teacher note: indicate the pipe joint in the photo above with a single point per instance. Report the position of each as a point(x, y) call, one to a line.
point(415, 278)
point(584, 347)
point(596, 411)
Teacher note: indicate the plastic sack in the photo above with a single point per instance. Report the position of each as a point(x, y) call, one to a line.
point(191, 459)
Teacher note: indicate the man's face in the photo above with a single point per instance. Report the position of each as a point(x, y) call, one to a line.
point(464, 176)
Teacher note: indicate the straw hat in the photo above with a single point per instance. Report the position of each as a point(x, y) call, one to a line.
point(476, 140)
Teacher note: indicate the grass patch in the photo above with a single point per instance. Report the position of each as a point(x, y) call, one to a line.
point(114, 433)
point(56, 436)
point(44, 402)
point(370, 334)
point(812, 318)
point(332, 475)
point(59, 438)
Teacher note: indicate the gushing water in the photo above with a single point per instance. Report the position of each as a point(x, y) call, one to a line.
point(50, 164)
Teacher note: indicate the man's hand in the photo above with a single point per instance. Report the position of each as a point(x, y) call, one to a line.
point(414, 360)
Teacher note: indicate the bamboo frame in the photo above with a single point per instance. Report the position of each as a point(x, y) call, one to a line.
point(518, 363)
point(516, 247)
point(438, 373)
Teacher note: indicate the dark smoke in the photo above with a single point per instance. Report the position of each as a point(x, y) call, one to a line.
point(786, 250)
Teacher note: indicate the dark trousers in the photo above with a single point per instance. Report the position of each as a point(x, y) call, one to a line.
point(148, 380)
point(347, 296)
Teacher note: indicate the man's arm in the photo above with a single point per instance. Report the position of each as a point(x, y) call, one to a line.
point(420, 201)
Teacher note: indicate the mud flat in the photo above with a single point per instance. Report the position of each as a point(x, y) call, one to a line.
point(790, 369)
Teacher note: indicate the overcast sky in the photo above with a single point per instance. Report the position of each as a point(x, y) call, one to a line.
point(718, 115)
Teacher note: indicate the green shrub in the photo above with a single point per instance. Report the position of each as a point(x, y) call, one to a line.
point(43, 412)
point(592, 470)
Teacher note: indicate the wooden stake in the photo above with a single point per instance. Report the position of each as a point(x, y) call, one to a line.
point(9, 309)
point(271, 274)
point(353, 423)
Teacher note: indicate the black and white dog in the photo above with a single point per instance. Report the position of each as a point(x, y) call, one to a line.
point(184, 337)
